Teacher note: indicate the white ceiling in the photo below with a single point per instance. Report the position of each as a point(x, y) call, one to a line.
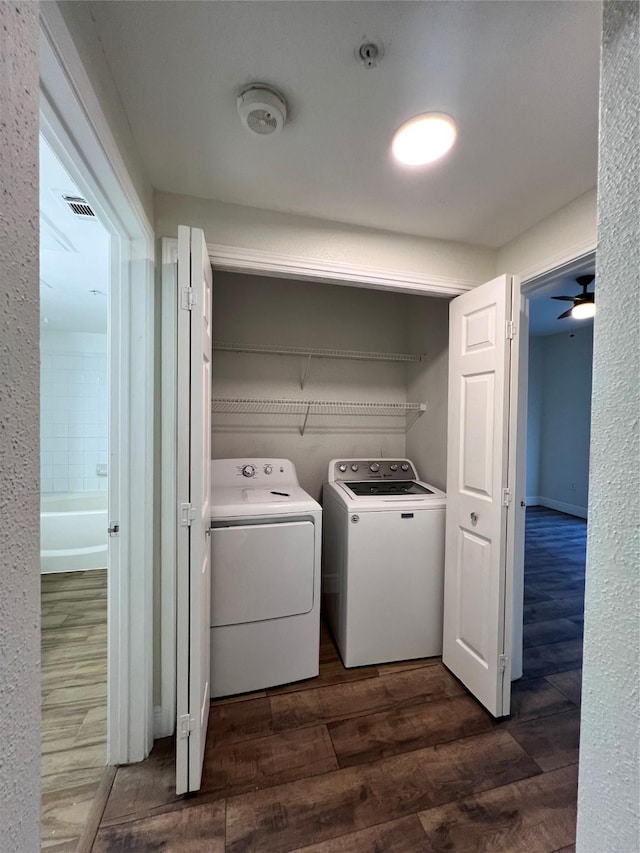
point(520, 79)
point(74, 256)
point(544, 311)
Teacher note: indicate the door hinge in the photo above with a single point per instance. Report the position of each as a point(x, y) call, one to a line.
point(188, 298)
point(187, 514)
point(502, 663)
point(113, 529)
point(185, 725)
point(511, 330)
point(506, 497)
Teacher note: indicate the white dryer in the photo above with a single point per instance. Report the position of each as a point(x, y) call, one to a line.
point(265, 576)
point(383, 561)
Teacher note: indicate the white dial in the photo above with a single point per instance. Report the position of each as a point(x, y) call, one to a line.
point(394, 467)
point(404, 466)
point(342, 468)
point(354, 467)
point(374, 467)
point(248, 471)
point(268, 469)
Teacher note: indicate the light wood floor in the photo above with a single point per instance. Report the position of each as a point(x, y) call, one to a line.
point(385, 759)
point(74, 703)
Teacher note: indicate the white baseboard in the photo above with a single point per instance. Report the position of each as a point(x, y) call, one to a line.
point(561, 506)
point(162, 727)
point(533, 501)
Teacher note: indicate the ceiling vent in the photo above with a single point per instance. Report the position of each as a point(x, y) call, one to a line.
point(79, 206)
point(262, 110)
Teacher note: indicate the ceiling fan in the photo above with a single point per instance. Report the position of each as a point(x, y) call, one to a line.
point(583, 303)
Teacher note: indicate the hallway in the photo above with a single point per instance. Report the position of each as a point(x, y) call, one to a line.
point(396, 757)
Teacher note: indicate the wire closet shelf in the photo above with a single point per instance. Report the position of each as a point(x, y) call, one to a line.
point(313, 352)
point(279, 406)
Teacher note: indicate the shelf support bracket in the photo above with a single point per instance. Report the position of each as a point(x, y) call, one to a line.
point(306, 418)
point(304, 374)
point(417, 414)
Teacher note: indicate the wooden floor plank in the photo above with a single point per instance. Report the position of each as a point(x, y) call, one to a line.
point(333, 672)
point(535, 697)
point(572, 605)
point(313, 810)
point(535, 815)
point(556, 657)
point(139, 788)
point(398, 836)
point(344, 701)
point(551, 631)
point(250, 765)
point(569, 683)
point(551, 741)
point(400, 730)
point(197, 829)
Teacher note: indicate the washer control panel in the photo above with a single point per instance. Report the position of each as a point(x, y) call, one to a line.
point(372, 469)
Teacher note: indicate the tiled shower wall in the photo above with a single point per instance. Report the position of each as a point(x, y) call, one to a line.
point(74, 412)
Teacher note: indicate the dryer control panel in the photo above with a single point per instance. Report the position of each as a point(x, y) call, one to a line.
point(245, 472)
point(372, 469)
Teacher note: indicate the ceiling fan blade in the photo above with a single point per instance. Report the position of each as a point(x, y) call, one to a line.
point(566, 314)
point(564, 298)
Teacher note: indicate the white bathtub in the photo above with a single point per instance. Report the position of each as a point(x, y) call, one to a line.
point(73, 532)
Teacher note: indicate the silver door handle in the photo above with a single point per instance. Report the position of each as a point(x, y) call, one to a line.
point(474, 518)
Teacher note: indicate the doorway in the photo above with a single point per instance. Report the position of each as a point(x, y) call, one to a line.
point(557, 467)
point(75, 276)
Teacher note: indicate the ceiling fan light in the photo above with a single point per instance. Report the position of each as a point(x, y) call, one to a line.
point(424, 139)
point(583, 310)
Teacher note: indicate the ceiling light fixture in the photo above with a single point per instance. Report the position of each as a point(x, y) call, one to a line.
point(584, 304)
point(423, 139)
point(583, 310)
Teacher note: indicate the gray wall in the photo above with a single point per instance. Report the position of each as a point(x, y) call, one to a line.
point(250, 309)
point(609, 788)
point(428, 334)
point(19, 434)
point(559, 418)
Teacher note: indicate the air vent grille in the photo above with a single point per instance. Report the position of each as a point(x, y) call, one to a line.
point(79, 206)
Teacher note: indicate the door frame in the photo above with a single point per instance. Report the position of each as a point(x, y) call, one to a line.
point(260, 262)
point(74, 125)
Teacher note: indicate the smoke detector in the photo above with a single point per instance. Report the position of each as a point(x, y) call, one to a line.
point(262, 110)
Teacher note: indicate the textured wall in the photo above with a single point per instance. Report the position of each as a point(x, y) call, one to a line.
point(19, 509)
point(609, 791)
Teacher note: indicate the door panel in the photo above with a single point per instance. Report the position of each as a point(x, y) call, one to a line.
point(193, 489)
point(477, 467)
point(263, 571)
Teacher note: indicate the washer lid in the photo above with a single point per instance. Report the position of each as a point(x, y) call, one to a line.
point(282, 499)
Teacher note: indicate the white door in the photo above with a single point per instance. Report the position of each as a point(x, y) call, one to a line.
point(477, 588)
point(193, 487)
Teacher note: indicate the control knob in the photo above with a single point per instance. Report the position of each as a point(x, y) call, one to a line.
point(394, 467)
point(374, 467)
point(248, 471)
point(342, 468)
point(268, 469)
point(404, 466)
point(354, 467)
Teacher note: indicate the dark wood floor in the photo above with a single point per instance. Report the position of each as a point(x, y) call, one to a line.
point(386, 759)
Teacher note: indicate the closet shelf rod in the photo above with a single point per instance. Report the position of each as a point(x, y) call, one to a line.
point(356, 355)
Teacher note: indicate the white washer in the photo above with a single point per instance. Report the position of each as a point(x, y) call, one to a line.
point(383, 561)
point(265, 576)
